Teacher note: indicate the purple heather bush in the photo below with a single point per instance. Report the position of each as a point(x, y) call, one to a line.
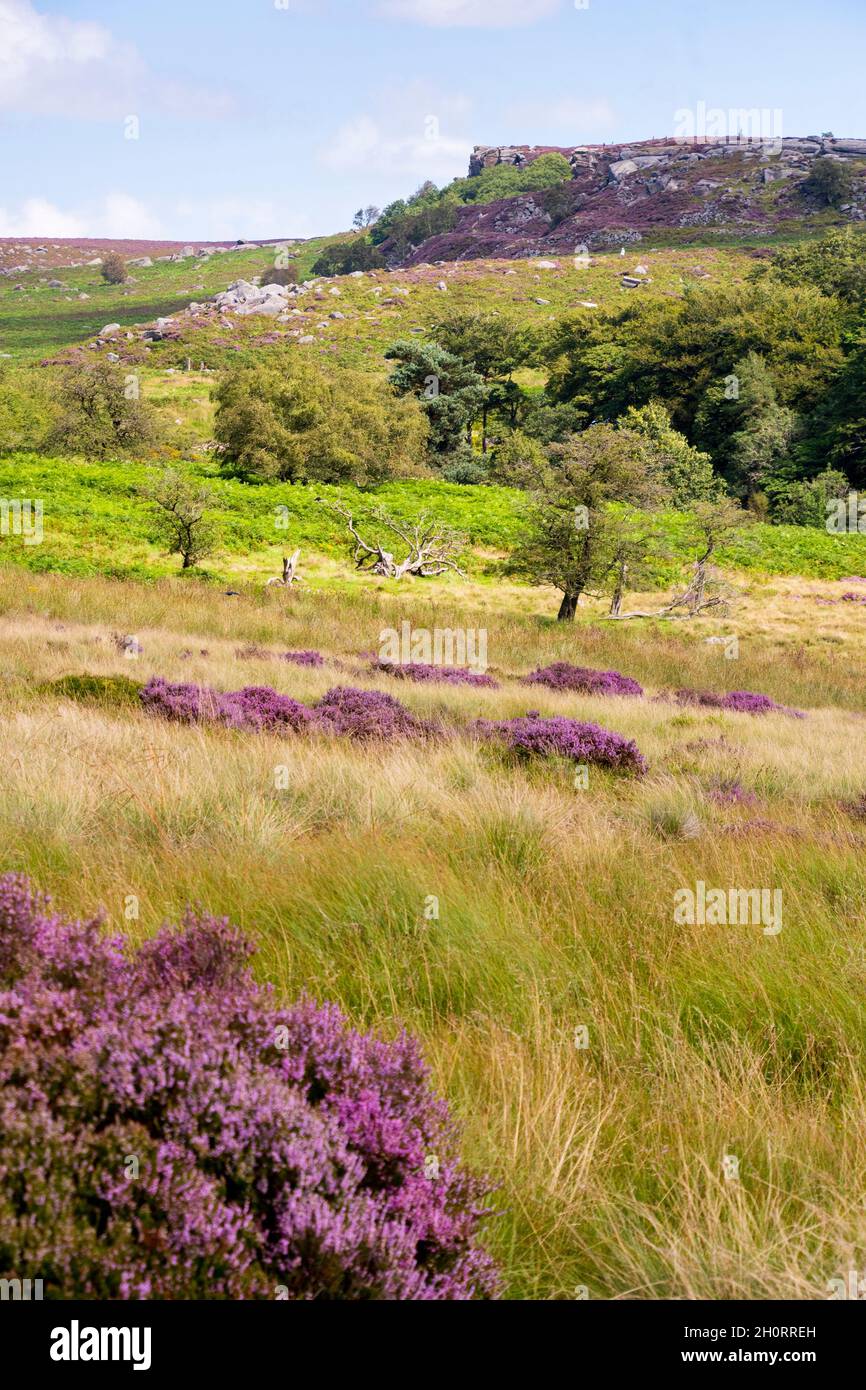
point(422, 671)
point(742, 701)
point(560, 675)
point(303, 658)
point(360, 714)
point(363, 714)
point(168, 1131)
point(254, 707)
point(533, 736)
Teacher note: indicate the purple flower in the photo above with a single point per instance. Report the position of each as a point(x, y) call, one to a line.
point(364, 714)
point(303, 658)
point(168, 1131)
point(254, 707)
point(731, 792)
point(448, 675)
point(532, 736)
point(562, 676)
point(742, 701)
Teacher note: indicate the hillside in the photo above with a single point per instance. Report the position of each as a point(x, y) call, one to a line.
point(628, 192)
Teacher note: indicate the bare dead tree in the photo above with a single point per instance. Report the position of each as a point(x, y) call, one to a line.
point(290, 572)
point(712, 523)
point(430, 547)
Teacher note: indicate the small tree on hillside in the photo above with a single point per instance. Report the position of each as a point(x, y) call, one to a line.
point(101, 414)
point(830, 182)
point(179, 506)
point(113, 268)
point(302, 421)
point(489, 343)
point(573, 523)
point(448, 389)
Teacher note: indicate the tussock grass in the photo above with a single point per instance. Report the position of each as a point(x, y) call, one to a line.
point(555, 906)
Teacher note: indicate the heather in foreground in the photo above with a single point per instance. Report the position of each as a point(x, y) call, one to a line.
point(167, 1131)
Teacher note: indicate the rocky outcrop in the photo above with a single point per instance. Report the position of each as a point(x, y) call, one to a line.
point(621, 193)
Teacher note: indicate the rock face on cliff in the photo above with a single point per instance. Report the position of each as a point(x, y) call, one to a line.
point(622, 193)
point(660, 151)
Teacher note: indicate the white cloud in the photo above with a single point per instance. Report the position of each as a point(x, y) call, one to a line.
point(125, 218)
point(38, 217)
point(50, 65)
point(467, 14)
point(118, 215)
point(414, 131)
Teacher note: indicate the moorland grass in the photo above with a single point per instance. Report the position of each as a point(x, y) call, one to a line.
point(554, 902)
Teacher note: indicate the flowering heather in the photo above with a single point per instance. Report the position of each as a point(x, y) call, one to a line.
point(344, 709)
point(254, 707)
point(253, 652)
point(532, 735)
point(422, 671)
point(560, 675)
point(303, 658)
point(362, 714)
point(731, 792)
point(167, 1131)
point(742, 701)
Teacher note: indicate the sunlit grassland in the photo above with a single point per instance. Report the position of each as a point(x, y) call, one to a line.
point(555, 903)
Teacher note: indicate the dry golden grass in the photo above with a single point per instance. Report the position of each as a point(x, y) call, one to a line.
point(555, 903)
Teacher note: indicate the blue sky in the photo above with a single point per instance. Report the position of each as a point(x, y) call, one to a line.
point(261, 118)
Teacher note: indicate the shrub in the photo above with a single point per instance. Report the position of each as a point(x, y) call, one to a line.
point(254, 707)
point(343, 257)
point(364, 714)
point(448, 675)
point(113, 268)
point(346, 710)
point(533, 736)
point(562, 676)
point(741, 701)
point(303, 658)
point(97, 418)
point(300, 422)
point(168, 1131)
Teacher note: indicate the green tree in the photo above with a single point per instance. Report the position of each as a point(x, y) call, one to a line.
point(343, 257)
point(575, 517)
point(688, 473)
point(830, 182)
point(545, 171)
point(27, 408)
point(180, 506)
point(488, 342)
point(449, 391)
point(674, 351)
point(100, 414)
point(835, 432)
point(835, 265)
point(806, 503)
point(300, 422)
point(520, 461)
point(749, 432)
